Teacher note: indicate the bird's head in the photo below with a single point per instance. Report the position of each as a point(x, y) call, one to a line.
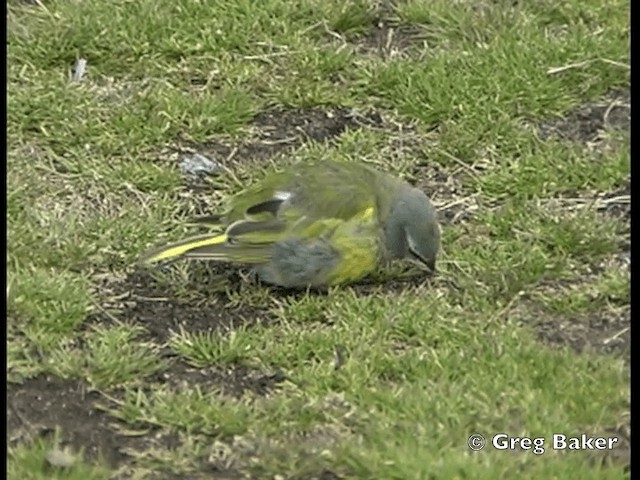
point(412, 230)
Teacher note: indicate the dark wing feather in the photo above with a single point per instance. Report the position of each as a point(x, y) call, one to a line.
point(255, 232)
point(270, 206)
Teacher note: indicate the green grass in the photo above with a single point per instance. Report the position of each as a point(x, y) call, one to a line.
point(381, 382)
point(28, 463)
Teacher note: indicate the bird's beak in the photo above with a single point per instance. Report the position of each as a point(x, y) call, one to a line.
point(423, 262)
point(431, 265)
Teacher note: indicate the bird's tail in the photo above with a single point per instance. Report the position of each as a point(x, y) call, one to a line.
point(208, 247)
point(182, 248)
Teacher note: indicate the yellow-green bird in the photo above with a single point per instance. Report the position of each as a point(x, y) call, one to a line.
point(317, 225)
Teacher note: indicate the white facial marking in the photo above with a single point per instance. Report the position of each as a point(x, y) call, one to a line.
point(411, 243)
point(284, 196)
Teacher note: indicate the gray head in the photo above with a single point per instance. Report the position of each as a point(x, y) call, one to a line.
point(412, 230)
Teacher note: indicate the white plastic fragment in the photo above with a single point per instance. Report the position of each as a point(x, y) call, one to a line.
point(60, 458)
point(79, 69)
point(195, 165)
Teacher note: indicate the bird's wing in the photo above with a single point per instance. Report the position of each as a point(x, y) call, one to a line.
point(316, 191)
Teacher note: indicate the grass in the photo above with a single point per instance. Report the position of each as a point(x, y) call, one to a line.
point(196, 370)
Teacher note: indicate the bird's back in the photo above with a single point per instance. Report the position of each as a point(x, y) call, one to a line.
point(326, 189)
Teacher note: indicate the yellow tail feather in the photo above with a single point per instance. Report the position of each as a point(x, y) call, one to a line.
point(179, 249)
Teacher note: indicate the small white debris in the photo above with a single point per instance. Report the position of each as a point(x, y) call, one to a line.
point(196, 165)
point(60, 458)
point(79, 70)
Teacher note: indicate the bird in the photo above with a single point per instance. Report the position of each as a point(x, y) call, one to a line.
point(317, 224)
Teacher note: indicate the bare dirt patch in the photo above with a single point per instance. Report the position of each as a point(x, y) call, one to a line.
point(586, 123)
point(280, 130)
point(202, 306)
point(44, 404)
point(383, 34)
point(313, 124)
point(40, 405)
point(142, 300)
point(233, 381)
point(388, 39)
point(603, 332)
